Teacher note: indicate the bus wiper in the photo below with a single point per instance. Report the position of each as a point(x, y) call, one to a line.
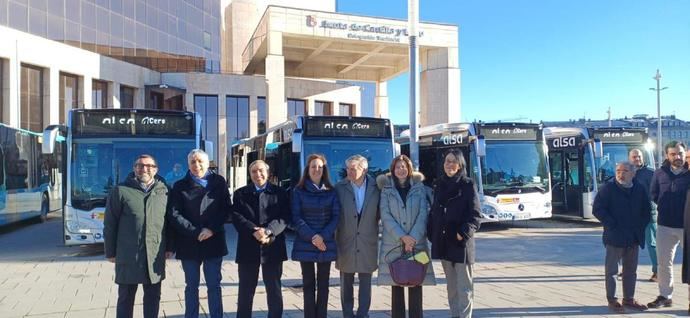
point(90, 203)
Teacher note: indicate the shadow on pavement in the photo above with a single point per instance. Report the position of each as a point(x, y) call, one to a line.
point(565, 311)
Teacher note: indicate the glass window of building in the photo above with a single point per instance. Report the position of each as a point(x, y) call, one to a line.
point(69, 95)
point(126, 97)
point(31, 98)
point(323, 108)
point(99, 94)
point(346, 109)
point(237, 111)
point(296, 107)
point(207, 107)
point(261, 115)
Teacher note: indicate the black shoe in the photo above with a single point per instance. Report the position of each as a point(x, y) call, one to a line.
point(660, 301)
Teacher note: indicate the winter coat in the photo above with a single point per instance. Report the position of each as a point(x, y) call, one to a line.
point(402, 218)
point(357, 236)
point(624, 214)
point(455, 210)
point(314, 211)
point(668, 191)
point(193, 208)
point(269, 209)
point(644, 176)
point(135, 231)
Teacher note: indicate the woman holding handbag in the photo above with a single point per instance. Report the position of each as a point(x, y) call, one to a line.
point(453, 221)
point(404, 209)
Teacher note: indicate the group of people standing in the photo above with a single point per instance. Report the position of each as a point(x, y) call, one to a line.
point(649, 208)
point(147, 223)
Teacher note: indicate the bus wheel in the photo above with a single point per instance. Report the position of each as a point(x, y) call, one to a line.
point(44, 208)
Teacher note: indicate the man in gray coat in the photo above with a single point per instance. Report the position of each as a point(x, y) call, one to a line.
point(135, 236)
point(357, 234)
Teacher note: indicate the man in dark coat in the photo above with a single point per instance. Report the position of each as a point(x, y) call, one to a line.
point(260, 214)
point(644, 175)
point(135, 236)
point(357, 235)
point(668, 190)
point(623, 207)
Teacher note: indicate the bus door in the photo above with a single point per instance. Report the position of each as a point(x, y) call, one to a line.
point(567, 184)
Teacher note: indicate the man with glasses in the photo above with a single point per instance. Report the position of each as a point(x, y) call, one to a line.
point(668, 190)
point(135, 236)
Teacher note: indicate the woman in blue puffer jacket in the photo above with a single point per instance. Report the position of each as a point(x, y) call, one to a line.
point(315, 211)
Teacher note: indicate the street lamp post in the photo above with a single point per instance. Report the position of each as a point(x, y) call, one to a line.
point(658, 90)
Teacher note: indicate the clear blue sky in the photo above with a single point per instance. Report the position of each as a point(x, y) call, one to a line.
point(557, 60)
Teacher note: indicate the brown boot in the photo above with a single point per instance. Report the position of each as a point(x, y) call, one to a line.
point(616, 306)
point(633, 304)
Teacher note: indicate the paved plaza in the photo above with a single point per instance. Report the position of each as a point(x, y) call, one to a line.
point(539, 268)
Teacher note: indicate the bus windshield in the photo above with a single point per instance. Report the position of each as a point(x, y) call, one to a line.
point(98, 165)
point(614, 153)
point(513, 167)
point(378, 153)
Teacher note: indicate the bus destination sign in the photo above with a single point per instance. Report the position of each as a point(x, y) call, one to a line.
point(619, 136)
point(347, 127)
point(133, 123)
point(509, 133)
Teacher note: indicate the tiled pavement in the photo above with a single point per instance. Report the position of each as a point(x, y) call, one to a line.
point(540, 268)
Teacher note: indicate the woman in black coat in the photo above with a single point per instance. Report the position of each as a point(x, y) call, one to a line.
point(454, 219)
point(199, 205)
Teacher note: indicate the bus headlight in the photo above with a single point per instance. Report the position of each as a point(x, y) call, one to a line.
point(489, 210)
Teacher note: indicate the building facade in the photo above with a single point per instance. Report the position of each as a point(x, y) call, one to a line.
point(244, 65)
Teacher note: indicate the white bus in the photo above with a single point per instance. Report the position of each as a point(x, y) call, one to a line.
point(507, 162)
point(581, 159)
point(102, 145)
point(286, 147)
point(30, 182)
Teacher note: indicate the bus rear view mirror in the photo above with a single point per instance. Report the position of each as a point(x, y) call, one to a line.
point(598, 148)
point(208, 148)
point(297, 141)
point(397, 149)
point(480, 144)
point(49, 138)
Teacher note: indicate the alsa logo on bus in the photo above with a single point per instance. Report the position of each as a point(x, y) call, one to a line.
point(454, 139)
point(345, 126)
point(514, 131)
point(563, 142)
point(130, 121)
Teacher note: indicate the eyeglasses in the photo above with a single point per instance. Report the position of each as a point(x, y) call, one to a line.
point(147, 166)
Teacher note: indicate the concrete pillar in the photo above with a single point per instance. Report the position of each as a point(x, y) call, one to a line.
point(380, 101)
point(88, 91)
point(140, 97)
point(15, 77)
point(311, 106)
point(440, 102)
point(114, 95)
point(221, 148)
point(253, 115)
point(276, 108)
point(5, 102)
point(189, 102)
point(51, 109)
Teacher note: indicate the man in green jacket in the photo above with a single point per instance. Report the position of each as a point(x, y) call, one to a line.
point(135, 236)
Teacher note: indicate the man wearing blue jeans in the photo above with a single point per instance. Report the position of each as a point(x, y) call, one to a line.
point(644, 174)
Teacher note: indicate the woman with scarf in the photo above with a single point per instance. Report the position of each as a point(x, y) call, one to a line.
point(454, 220)
point(198, 207)
point(315, 213)
point(404, 209)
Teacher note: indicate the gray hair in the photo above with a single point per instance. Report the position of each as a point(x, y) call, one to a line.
point(359, 159)
point(626, 164)
point(256, 162)
point(197, 152)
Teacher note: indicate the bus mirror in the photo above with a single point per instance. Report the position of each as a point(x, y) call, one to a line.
point(480, 144)
point(598, 148)
point(296, 141)
point(49, 137)
point(208, 148)
point(397, 149)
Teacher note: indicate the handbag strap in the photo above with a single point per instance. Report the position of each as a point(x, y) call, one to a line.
point(402, 253)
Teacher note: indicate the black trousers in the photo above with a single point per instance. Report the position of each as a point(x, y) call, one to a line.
point(315, 288)
point(414, 298)
point(249, 278)
point(125, 300)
